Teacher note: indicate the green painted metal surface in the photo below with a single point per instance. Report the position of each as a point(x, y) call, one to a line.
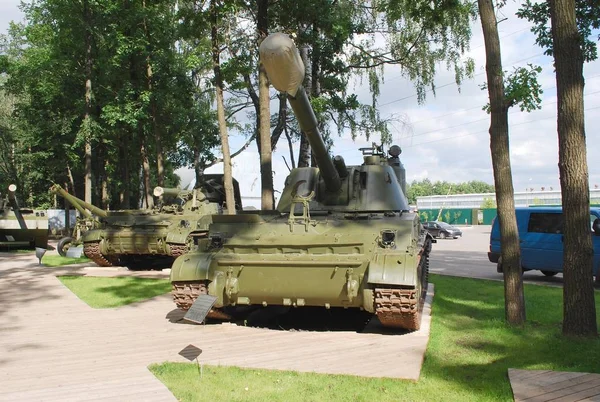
point(155, 237)
point(338, 234)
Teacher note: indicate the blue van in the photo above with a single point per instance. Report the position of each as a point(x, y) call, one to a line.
point(541, 237)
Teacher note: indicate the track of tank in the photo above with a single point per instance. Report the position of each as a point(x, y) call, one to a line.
point(395, 308)
point(92, 251)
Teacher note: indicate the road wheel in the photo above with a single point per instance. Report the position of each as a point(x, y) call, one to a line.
point(442, 235)
point(63, 246)
point(549, 273)
point(499, 268)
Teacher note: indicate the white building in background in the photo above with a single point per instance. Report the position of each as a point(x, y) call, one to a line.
point(522, 199)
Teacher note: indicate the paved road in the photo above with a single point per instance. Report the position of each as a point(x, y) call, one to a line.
point(467, 257)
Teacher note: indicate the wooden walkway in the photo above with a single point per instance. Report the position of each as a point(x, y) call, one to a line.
point(556, 386)
point(53, 346)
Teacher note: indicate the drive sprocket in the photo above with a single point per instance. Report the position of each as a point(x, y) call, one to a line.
point(402, 308)
point(186, 293)
point(92, 251)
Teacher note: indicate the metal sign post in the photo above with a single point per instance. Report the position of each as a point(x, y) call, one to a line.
point(191, 353)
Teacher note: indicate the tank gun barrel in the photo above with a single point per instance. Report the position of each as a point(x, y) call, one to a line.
point(83, 207)
point(168, 191)
point(12, 199)
point(285, 70)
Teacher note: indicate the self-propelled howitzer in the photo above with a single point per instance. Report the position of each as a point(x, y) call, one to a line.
point(342, 236)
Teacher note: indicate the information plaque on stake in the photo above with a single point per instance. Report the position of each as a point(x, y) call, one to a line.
point(200, 308)
point(190, 352)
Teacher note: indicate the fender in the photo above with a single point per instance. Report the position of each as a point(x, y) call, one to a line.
point(92, 235)
point(393, 269)
point(191, 267)
point(176, 237)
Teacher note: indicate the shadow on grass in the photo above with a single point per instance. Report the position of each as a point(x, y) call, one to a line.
point(471, 345)
point(107, 292)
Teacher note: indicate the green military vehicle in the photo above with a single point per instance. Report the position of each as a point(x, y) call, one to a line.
point(88, 219)
point(153, 238)
point(342, 236)
point(21, 227)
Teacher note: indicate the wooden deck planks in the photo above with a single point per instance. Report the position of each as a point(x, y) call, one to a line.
point(544, 385)
point(55, 347)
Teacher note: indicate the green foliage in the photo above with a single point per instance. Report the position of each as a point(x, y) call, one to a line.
point(425, 188)
point(468, 355)
point(488, 203)
point(588, 20)
point(142, 93)
point(59, 261)
point(521, 88)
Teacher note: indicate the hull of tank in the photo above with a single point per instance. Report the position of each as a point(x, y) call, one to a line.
point(138, 239)
point(36, 234)
point(330, 262)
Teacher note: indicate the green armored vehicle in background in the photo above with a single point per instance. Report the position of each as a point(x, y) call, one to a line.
point(153, 238)
point(342, 236)
point(88, 219)
point(21, 227)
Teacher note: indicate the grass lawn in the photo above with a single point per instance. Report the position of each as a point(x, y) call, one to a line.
point(469, 353)
point(58, 261)
point(101, 292)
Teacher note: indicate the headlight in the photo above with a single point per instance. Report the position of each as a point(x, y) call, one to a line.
point(387, 237)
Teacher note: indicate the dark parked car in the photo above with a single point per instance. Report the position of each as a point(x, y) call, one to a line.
point(442, 230)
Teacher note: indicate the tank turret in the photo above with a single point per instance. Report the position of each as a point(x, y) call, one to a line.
point(374, 186)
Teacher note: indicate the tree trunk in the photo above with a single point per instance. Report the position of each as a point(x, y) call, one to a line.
point(266, 166)
point(88, 104)
point(104, 184)
point(227, 176)
point(578, 292)
point(103, 164)
point(514, 300)
point(304, 159)
point(125, 191)
point(160, 165)
point(198, 168)
point(148, 200)
point(304, 152)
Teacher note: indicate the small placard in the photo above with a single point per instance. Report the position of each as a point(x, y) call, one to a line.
point(10, 238)
point(197, 313)
point(74, 252)
point(190, 352)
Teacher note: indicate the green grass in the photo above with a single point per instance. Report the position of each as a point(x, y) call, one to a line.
point(59, 261)
point(114, 292)
point(16, 250)
point(469, 353)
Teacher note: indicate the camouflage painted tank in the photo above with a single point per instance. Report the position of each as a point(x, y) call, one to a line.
point(153, 238)
point(21, 227)
point(342, 236)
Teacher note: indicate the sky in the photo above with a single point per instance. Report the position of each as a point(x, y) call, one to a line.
point(446, 138)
